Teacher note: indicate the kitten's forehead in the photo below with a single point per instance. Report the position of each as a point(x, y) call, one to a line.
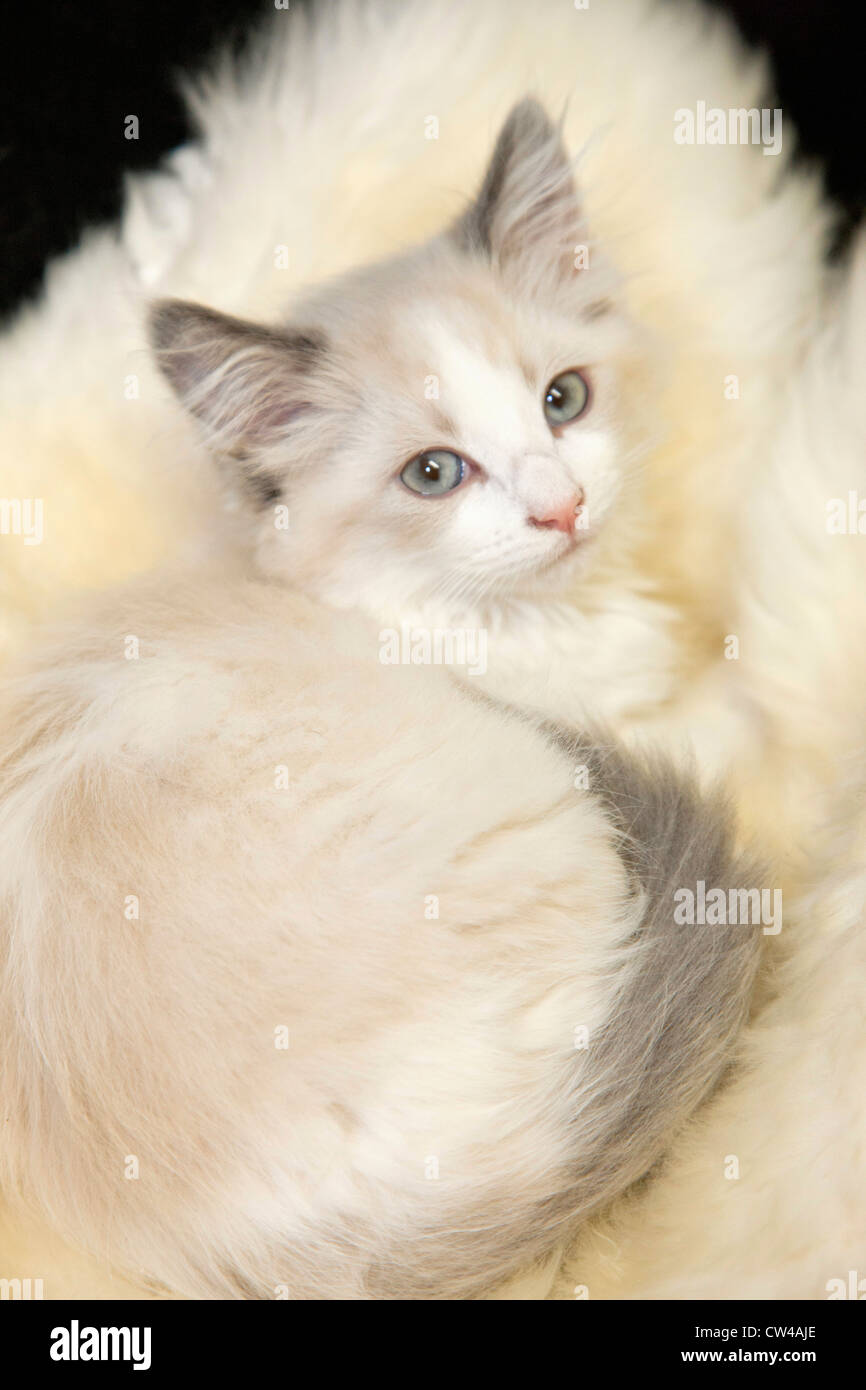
point(427, 338)
point(459, 341)
point(476, 375)
point(436, 348)
point(407, 317)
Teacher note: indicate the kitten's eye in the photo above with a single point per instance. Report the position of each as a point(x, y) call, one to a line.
point(434, 472)
point(566, 397)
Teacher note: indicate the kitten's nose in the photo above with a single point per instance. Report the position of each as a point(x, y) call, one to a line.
point(561, 518)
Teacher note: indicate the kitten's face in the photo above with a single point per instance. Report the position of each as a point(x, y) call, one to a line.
point(441, 428)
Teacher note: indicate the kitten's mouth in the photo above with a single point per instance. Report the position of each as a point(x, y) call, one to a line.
point(567, 550)
point(556, 568)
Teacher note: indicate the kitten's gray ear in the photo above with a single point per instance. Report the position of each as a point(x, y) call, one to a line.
point(527, 208)
point(245, 384)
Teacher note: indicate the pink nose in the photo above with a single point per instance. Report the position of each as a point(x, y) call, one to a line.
point(562, 518)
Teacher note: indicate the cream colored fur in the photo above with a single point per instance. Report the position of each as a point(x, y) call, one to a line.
point(296, 951)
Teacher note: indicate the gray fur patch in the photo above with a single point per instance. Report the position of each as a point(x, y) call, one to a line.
point(264, 488)
point(191, 342)
point(177, 326)
point(668, 1042)
point(670, 1039)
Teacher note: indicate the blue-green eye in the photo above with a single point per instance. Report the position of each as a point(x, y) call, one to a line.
point(566, 397)
point(434, 472)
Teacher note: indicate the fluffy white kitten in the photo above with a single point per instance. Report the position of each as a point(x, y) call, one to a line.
point(449, 440)
point(321, 976)
point(255, 828)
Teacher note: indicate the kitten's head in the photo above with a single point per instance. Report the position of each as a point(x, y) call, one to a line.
point(443, 426)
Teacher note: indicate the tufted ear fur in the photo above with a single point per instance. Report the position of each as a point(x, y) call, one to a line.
point(247, 385)
point(527, 214)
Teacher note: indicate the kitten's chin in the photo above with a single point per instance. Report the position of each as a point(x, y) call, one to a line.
point(558, 572)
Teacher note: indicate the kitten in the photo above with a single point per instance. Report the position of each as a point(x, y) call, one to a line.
point(302, 131)
point(324, 977)
point(448, 441)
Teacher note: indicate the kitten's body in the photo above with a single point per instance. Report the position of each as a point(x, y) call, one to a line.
point(363, 993)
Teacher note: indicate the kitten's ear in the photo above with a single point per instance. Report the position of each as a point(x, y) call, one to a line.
point(527, 211)
point(245, 384)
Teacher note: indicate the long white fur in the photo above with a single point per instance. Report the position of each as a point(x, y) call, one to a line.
point(296, 948)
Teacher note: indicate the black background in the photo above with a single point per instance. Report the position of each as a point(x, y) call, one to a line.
point(70, 73)
point(208, 1342)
